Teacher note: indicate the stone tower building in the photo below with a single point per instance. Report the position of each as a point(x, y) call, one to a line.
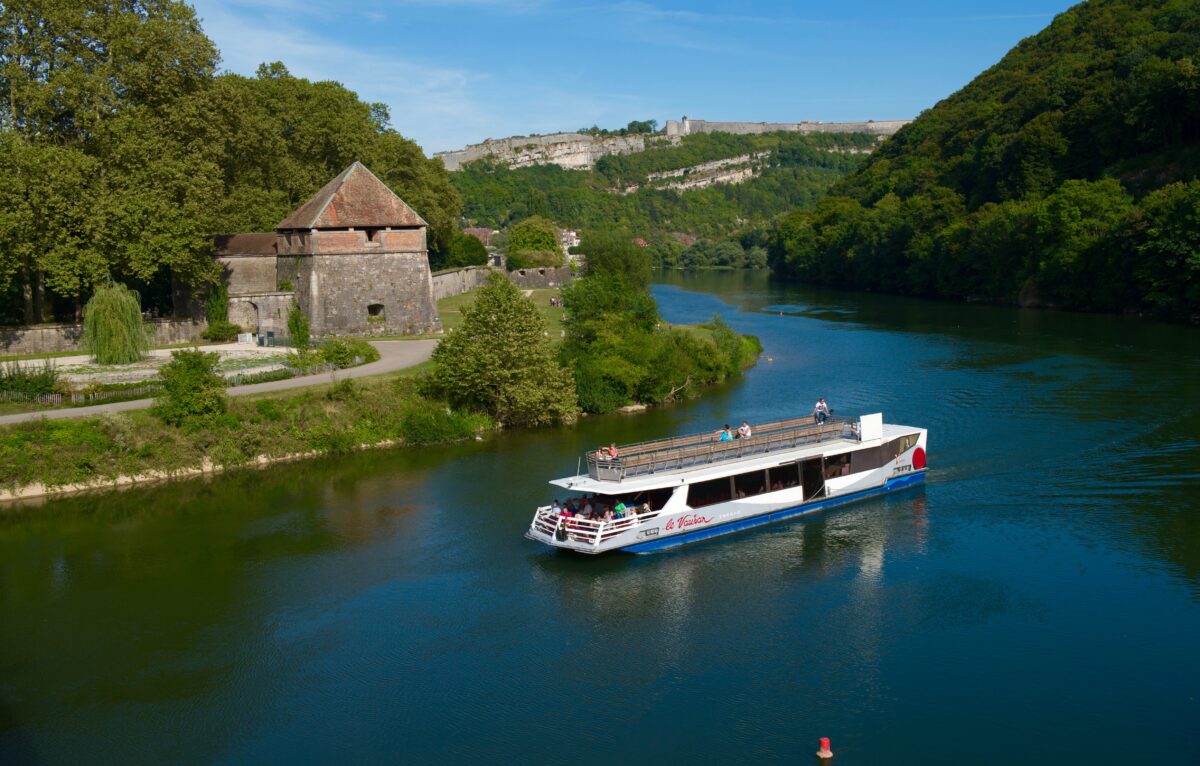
point(354, 258)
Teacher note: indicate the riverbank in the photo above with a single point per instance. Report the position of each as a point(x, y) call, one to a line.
point(56, 456)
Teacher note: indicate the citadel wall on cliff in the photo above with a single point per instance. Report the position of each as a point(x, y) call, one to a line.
point(579, 151)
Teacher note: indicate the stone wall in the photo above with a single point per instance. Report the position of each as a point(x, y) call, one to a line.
point(556, 276)
point(52, 338)
point(262, 312)
point(686, 127)
point(368, 294)
point(457, 281)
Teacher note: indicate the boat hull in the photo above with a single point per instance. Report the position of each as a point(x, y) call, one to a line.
point(770, 517)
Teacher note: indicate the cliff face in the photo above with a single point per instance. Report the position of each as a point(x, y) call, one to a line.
point(579, 151)
point(573, 151)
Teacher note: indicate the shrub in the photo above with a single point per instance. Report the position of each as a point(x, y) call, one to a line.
point(532, 259)
point(34, 381)
point(298, 328)
point(221, 331)
point(191, 387)
point(426, 422)
point(113, 332)
point(341, 352)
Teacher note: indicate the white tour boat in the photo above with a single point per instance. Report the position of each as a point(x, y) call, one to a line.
point(691, 488)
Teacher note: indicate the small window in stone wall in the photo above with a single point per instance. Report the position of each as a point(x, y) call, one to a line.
point(375, 313)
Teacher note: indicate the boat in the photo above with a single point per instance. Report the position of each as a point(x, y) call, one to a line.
point(669, 492)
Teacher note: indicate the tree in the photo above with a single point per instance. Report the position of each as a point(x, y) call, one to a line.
point(298, 328)
point(467, 251)
point(614, 253)
point(113, 331)
point(191, 387)
point(534, 234)
point(501, 362)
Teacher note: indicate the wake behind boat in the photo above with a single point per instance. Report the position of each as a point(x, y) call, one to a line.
point(654, 495)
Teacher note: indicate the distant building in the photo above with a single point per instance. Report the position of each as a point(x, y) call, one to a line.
point(353, 258)
point(567, 239)
point(482, 234)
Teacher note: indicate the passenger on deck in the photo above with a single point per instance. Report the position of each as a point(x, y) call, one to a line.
point(743, 431)
point(725, 435)
point(821, 411)
point(619, 509)
point(612, 451)
point(555, 508)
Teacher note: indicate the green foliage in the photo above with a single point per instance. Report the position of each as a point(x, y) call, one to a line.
point(113, 332)
point(798, 170)
point(465, 250)
point(614, 253)
point(1037, 181)
point(533, 259)
point(343, 352)
point(501, 362)
point(621, 353)
point(532, 235)
point(121, 152)
point(216, 304)
point(221, 331)
point(634, 128)
point(191, 387)
point(298, 328)
point(29, 380)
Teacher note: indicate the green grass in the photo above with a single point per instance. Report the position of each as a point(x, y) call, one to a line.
point(331, 418)
point(451, 309)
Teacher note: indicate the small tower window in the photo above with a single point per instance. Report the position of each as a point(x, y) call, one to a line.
point(375, 312)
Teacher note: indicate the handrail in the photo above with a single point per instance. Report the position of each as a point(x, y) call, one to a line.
point(697, 450)
point(581, 530)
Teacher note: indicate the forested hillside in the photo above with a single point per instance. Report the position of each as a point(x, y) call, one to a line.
point(795, 170)
point(122, 152)
point(1064, 175)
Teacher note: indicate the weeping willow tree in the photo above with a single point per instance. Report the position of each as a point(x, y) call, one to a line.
point(113, 332)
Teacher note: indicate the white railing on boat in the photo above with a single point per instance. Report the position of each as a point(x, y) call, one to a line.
point(586, 531)
point(698, 450)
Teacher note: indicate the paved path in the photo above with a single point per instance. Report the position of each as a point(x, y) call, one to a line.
point(393, 355)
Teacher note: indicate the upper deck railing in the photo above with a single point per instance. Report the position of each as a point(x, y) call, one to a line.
point(701, 450)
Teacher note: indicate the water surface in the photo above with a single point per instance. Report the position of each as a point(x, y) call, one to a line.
point(1037, 601)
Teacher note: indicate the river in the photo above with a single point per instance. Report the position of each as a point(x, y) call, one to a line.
point(1037, 601)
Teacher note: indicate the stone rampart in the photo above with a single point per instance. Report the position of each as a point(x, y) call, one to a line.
point(684, 127)
point(457, 281)
point(53, 338)
point(550, 276)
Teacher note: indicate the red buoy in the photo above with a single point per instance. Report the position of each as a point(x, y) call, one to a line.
point(823, 750)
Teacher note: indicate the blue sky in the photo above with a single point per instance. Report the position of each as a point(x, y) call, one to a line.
point(459, 71)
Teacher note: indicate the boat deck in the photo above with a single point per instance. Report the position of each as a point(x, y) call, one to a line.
point(702, 450)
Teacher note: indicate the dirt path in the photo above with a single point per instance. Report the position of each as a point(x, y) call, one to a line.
point(394, 355)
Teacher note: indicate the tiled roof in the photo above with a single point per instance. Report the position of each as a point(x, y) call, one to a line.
point(356, 198)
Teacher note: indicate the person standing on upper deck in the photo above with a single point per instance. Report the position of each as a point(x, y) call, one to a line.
point(821, 411)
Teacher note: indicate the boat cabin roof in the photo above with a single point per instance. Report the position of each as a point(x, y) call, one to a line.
point(695, 459)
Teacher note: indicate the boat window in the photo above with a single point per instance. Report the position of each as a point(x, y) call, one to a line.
point(837, 465)
point(784, 476)
point(870, 458)
point(709, 492)
point(659, 497)
point(750, 484)
point(903, 444)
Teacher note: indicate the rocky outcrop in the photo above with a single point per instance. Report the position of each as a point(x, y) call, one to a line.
point(573, 151)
